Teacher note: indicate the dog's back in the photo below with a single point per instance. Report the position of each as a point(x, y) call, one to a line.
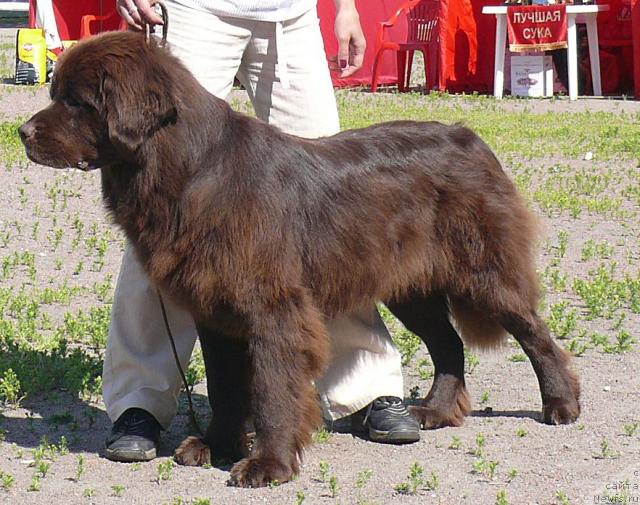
point(402, 204)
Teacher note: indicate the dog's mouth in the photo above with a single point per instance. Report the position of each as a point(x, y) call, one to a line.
point(84, 164)
point(87, 166)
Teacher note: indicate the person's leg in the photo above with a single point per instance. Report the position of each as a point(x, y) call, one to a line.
point(365, 364)
point(141, 383)
point(300, 100)
point(140, 376)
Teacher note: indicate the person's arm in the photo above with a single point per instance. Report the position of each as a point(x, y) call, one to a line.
point(351, 41)
point(137, 12)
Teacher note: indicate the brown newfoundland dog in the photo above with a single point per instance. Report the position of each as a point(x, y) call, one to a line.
point(262, 236)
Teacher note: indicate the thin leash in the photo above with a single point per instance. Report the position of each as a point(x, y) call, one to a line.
point(192, 414)
point(165, 23)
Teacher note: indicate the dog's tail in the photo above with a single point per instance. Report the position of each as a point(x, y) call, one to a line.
point(475, 326)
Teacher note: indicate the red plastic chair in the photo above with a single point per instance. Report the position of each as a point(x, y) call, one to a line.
point(421, 17)
point(108, 22)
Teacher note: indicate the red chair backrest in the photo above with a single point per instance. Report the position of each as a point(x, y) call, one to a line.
point(422, 20)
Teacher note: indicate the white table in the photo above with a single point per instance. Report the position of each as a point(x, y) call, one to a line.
point(586, 12)
point(15, 6)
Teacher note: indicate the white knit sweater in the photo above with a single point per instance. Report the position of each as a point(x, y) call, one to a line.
point(261, 10)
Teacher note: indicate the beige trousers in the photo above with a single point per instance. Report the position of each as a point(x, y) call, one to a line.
point(283, 67)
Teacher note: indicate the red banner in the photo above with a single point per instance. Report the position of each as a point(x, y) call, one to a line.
point(537, 27)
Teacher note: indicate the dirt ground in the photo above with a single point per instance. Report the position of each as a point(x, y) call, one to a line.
point(503, 454)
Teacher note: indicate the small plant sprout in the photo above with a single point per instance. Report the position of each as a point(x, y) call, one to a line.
point(562, 497)
point(324, 468)
point(10, 389)
point(481, 441)
point(43, 468)
point(518, 357)
point(363, 478)
point(35, 483)
point(118, 489)
point(501, 498)
point(164, 470)
point(322, 436)
point(433, 482)
point(521, 432)
point(6, 480)
point(333, 486)
point(487, 468)
point(624, 343)
point(631, 428)
point(605, 451)
point(415, 477)
point(456, 443)
point(414, 480)
point(563, 242)
point(577, 347)
point(80, 467)
point(472, 361)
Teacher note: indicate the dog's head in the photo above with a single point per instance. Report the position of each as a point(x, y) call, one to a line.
point(109, 94)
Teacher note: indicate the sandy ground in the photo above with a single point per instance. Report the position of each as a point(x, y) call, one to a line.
point(533, 463)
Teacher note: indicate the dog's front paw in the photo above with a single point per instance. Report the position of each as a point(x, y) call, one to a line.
point(445, 410)
point(560, 411)
point(432, 418)
point(259, 472)
point(193, 451)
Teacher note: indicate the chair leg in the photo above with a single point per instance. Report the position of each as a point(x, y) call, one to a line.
point(409, 67)
point(427, 82)
point(376, 71)
point(401, 57)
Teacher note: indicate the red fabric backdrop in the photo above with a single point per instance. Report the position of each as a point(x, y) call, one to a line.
point(460, 63)
point(615, 29)
point(69, 12)
point(467, 46)
point(462, 55)
point(635, 16)
point(372, 12)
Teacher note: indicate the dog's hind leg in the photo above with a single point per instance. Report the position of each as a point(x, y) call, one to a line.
point(227, 365)
point(448, 401)
point(559, 386)
point(288, 347)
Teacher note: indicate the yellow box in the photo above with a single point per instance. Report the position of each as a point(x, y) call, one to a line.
point(31, 56)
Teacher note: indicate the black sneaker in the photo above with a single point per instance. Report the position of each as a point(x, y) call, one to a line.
point(133, 437)
point(390, 422)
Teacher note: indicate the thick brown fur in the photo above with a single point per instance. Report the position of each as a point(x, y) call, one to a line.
point(263, 236)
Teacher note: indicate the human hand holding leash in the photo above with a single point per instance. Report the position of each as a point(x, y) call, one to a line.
point(351, 41)
point(138, 12)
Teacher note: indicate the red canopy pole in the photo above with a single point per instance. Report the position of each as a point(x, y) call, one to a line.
point(635, 30)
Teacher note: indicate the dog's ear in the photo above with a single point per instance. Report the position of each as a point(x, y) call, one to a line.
point(136, 103)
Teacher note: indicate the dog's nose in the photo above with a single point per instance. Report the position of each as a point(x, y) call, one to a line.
point(27, 131)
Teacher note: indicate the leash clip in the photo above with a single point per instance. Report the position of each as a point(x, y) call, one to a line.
point(165, 22)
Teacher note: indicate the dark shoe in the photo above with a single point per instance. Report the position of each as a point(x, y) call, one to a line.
point(389, 422)
point(133, 437)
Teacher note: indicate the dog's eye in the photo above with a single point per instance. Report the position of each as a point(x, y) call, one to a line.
point(72, 102)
